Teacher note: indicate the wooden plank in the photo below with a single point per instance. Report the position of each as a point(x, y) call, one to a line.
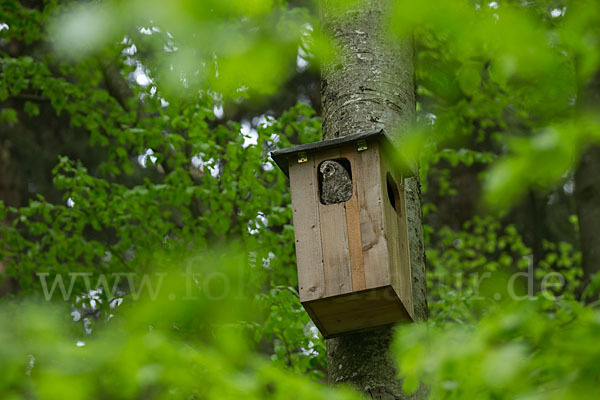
point(357, 262)
point(315, 318)
point(305, 205)
point(334, 240)
point(370, 203)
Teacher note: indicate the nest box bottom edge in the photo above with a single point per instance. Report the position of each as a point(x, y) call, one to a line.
point(357, 311)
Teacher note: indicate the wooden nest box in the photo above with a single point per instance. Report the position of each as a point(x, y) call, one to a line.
point(352, 245)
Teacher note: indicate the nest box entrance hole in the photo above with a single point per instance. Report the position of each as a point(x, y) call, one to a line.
point(393, 194)
point(335, 181)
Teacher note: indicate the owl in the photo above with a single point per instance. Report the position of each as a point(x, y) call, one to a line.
point(336, 186)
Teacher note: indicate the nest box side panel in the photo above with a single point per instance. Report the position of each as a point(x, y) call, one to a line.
point(405, 283)
point(307, 231)
point(396, 228)
point(369, 195)
point(334, 237)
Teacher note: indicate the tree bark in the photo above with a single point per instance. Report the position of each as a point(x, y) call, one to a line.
point(370, 85)
point(587, 192)
point(10, 195)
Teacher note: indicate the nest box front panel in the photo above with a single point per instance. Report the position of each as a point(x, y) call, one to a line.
point(327, 251)
point(340, 248)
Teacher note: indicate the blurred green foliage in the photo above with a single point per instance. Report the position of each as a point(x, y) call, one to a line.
point(509, 75)
point(527, 350)
point(163, 347)
point(234, 47)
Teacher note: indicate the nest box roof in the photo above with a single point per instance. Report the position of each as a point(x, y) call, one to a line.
point(282, 156)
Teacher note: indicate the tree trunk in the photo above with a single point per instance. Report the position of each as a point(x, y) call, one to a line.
point(370, 85)
point(587, 192)
point(10, 195)
point(587, 195)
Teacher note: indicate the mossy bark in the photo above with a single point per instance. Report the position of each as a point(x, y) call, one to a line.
point(370, 85)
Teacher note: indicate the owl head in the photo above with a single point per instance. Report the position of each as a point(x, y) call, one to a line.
point(329, 168)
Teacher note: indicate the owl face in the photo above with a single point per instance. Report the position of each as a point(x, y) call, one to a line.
point(328, 169)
